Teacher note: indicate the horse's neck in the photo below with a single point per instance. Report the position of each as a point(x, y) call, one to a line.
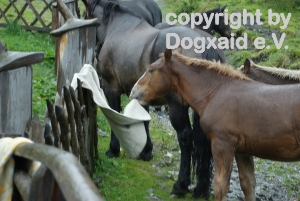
point(267, 77)
point(195, 85)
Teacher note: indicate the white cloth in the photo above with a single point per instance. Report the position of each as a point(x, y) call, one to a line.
point(128, 127)
point(7, 165)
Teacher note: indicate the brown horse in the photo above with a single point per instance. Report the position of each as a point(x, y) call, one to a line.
point(270, 75)
point(241, 117)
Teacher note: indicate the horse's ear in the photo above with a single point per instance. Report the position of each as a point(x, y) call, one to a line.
point(179, 49)
point(222, 9)
point(247, 64)
point(168, 55)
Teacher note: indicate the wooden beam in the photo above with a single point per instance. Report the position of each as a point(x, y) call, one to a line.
point(70, 175)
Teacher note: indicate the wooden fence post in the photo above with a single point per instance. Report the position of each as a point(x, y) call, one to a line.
point(16, 90)
point(75, 45)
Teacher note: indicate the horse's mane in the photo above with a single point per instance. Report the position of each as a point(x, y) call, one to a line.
point(91, 6)
point(279, 72)
point(223, 69)
point(111, 7)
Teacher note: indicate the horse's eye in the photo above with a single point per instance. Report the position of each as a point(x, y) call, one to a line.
point(150, 71)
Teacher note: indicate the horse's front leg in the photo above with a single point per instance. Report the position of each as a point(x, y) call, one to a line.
point(179, 118)
point(114, 101)
point(223, 154)
point(246, 174)
point(146, 154)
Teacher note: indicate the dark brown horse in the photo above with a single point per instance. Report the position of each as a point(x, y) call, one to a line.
point(130, 44)
point(221, 28)
point(270, 75)
point(242, 118)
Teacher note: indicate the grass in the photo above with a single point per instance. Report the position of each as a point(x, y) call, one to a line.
point(126, 179)
point(271, 57)
point(44, 79)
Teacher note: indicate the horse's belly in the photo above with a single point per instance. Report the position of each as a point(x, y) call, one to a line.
point(285, 148)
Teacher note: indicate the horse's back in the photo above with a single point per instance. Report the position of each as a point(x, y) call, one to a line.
point(147, 9)
point(182, 32)
point(126, 55)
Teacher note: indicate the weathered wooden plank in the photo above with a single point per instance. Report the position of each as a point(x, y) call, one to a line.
point(71, 177)
point(68, 61)
point(12, 60)
point(62, 118)
point(44, 187)
point(2, 135)
point(22, 181)
point(71, 121)
point(15, 100)
point(54, 123)
point(57, 18)
point(36, 130)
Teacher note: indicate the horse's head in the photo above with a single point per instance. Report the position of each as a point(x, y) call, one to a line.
point(155, 82)
point(222, 28)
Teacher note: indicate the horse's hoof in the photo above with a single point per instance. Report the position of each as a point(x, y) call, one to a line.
point(145, 157)
point(179, 192)
point(112, 154)
point(202, 196)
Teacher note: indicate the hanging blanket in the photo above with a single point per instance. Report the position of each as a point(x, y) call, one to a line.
point(7, 165)
point(128, 127)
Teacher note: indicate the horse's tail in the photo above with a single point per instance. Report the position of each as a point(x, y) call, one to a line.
point(202, 159)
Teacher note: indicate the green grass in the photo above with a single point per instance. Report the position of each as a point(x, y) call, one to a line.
point(271, 57)
point(44, 79)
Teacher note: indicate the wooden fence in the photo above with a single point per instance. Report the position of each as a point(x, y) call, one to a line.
point(30, 14)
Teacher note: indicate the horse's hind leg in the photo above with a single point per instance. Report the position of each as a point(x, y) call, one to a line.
point(223, 154)
point(246, 174)
point(146, 154)
point(179, 118)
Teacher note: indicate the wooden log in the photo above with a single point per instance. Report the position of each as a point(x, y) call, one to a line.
point(71, 177)
point(47, 135)
point(77, 116)
point(44, 187)
point(15, 90)
point(70, 110)
point(71, 18)
point(37, 130)
point(64, 127)
point(54, 125)
point(85, 133)
point(22, 181)
point(80, 92)
point(92, 112)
